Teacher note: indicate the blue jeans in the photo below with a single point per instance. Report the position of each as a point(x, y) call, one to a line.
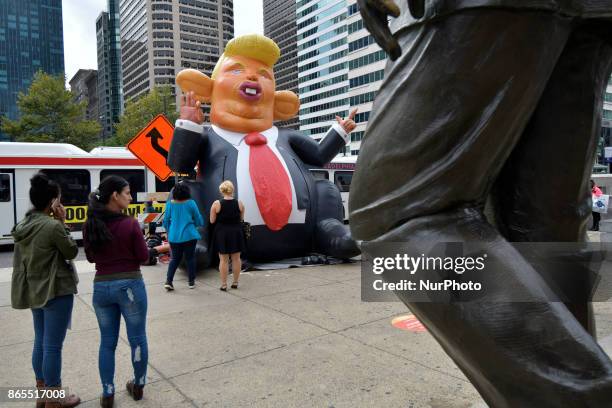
point(50, 326)
point(111, 299)
point(176, 251)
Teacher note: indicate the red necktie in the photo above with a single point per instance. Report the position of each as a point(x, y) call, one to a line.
point(270, 182)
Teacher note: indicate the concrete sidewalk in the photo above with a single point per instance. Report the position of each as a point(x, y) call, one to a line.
point(289, 338)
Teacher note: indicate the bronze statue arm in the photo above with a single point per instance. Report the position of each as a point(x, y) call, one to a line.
point(374, 14)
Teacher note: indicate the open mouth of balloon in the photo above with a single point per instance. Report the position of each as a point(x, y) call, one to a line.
point(250, 91)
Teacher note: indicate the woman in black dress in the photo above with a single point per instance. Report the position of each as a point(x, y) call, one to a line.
point(228, 213)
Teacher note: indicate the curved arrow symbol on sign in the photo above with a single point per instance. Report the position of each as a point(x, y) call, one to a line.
point(155, 138)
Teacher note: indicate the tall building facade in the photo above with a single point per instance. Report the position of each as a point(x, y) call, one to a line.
point(602, 159)
point(31, 39)
point(340, 67)
point(607, 108)
point(280, 26)
point(161, 37)
point(110, 87)
point(366, 64)
point(84, 86)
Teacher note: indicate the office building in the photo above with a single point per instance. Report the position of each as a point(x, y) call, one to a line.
point(280, 26)
point(31, 39)
point(603, 157)
point(84, 86)
point(110, 87)
point(366, 64)
point(161, 37)
point(340, 67)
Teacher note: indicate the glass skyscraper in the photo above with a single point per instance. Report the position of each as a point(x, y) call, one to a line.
point(339, 66)
point(31, 39)
point(110, 85)
point(280, 26)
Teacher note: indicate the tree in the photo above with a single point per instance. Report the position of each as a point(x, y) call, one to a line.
point(138, 113)
point(48, 113)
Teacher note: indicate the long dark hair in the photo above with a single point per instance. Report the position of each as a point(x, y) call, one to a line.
point(97, 215)
point(42, 191)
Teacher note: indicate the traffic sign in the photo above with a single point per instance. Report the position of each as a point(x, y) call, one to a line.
point(152, 144)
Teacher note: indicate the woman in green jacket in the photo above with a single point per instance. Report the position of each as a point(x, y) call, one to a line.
point(45, 282)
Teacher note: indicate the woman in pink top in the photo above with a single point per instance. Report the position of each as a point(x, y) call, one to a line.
point(596, 192)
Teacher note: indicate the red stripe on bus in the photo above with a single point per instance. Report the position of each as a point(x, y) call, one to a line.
point(63, 161)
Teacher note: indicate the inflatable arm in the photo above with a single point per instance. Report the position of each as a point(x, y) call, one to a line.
point(318, 153)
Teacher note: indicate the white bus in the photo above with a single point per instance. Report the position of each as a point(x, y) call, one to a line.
point(76, 171)
point(340, 172)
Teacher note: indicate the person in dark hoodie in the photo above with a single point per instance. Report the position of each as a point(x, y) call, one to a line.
point(45, 282)
point(114, 242)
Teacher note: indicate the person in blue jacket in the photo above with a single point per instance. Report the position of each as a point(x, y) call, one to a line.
point(181, 222)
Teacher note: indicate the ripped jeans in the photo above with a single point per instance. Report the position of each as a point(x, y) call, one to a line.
point(111, 299)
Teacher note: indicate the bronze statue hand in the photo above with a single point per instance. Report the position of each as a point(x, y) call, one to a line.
point(374, 14)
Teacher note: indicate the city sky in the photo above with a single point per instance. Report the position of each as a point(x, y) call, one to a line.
point(79, 18)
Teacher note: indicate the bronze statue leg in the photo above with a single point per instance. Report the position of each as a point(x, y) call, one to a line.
point(447, 117)
point(543, 192)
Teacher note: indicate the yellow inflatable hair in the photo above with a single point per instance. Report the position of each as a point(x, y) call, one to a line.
point(254, 46)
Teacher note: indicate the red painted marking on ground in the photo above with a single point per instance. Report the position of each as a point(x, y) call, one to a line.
point(408, 323)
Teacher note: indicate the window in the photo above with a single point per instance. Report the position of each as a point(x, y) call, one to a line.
point(367, 78)
point(361, 43)
point(361, 99)
point(75, 185)
point(164, 186)
point(343, 180)
point(136, 179)
point(5, 188)
point(357, 136)
point(320, 174)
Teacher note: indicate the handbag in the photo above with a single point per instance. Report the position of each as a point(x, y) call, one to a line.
point(246, 230)
point(600, 204)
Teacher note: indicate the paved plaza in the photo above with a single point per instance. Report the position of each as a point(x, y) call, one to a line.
point(286, 338)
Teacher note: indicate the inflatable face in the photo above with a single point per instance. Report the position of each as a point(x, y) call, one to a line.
point(290, 213)
point(242, 91)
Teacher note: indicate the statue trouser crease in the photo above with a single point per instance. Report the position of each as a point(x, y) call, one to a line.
point(506, 105)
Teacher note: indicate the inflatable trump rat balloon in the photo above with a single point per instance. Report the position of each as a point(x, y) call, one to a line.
point(291, 214)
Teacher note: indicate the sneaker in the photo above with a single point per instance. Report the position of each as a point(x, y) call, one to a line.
point(168, 286)
point(191, 285)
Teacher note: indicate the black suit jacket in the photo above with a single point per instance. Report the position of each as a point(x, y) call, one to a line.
point(218, 160)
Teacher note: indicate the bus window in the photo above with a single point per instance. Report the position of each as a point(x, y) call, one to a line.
point(343, 180)
point(164, 186)
point(75, 185)
point(135, 178)
point(320, 174)
point(5, 188)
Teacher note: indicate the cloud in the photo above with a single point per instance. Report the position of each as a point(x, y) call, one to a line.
point(80, 48)
point(248, 17)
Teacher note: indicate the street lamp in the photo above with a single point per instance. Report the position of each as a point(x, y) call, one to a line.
point(103, 129)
